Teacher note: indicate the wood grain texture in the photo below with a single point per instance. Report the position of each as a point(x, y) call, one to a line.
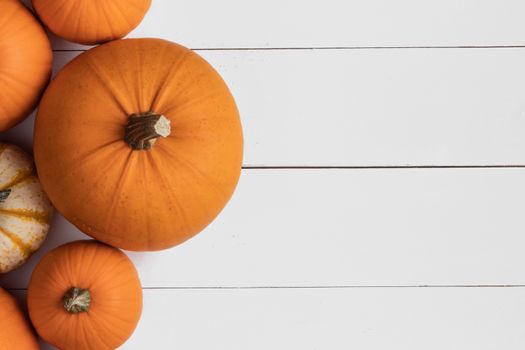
point(333, 23)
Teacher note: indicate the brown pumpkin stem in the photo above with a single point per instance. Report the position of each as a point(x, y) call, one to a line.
point(76, 300)
point(143, 129)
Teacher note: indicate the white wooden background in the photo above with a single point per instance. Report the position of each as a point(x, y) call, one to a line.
point(383, 196)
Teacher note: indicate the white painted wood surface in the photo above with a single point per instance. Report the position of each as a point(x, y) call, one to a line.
point(334, 23)
point(403, 255)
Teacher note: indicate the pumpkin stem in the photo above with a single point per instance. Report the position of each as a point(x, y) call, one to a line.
point(143, 129)
point(4, 194)
point(76, 300)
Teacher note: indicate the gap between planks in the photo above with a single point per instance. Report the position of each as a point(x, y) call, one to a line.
point(338, 48)
point(377, 167)
point(427, 286)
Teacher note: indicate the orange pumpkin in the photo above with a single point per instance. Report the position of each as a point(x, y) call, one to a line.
point(15, 331)
point(25, 62)
point(95, 146)
point(85, 295)
point(91, 21)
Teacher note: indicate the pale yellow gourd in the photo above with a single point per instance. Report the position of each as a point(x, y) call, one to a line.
point(25, 211)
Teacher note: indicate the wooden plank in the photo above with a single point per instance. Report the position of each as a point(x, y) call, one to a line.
point(376, 108)
point(295, 23)
point(402, 318)
point(335, 319)
point(346, 227)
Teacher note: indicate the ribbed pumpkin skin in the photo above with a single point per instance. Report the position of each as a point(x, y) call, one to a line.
point(25, 62)
point(15, 331)
point(91, 21)
point(138, 200)
point(25, 213)
point(116, 296)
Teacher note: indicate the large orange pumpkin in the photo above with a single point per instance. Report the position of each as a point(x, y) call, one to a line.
point(95, 151)
point(15, 331)
point(91, 21)
point(85, 295)
point(25, 62)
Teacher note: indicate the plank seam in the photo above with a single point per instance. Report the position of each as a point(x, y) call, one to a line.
point(339, 48)
point(378, 167)
point(425, 286)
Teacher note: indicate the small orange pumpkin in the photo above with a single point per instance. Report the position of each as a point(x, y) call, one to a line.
point(91, 21)
point(95, 146)
point(25, 62)
point(85, 295)
point(15, 331)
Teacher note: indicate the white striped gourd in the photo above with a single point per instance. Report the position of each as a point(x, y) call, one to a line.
point(25, 211)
